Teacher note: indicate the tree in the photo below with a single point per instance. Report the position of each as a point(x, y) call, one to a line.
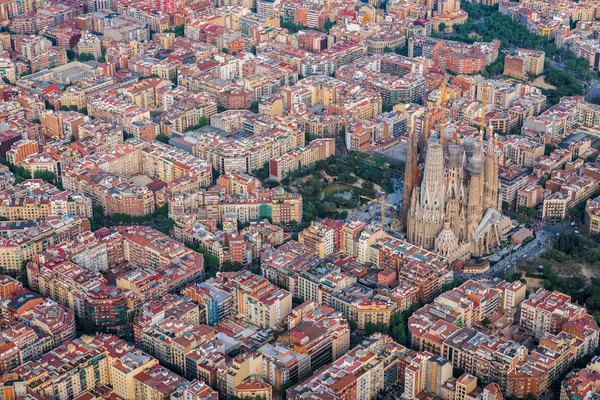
point(263, 173)
point(162, 138)
point(5, 80)
point(47, 176)
point(378, 327)
point(388, 49)
point(179, 30)
point(283, 389)
point(328, 25)
point(21, 174)
point(83, 57)
point(442, 27)
point(353, 325)
point(253, 50)
point(230, 266)
point(70, 54)
point(548, 149)
point(23, 277)
point(254, 107)
point(486, 322)
point(202, 121)
point(85, 326)
point(497, 67)
point(225, 50)
point(401, 50)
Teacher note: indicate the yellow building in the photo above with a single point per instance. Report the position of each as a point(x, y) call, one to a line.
point(144, 94)
point(555, 207)
point(373, 311)
point(14, 252)
point(592, 215)
point(358, 303)
point(465, 385)
point(124, 367)
point(167, 40)
point(42, 162)
point(239, 372)
point(252, 388)
point(458, 17)
point(73, 98)
point(272, 107)
point(156, 383)
point(319, 238)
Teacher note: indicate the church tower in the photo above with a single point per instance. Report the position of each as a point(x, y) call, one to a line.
point(491, 184)
point(426, 215)
point(455, 194)
point(474, 201)
point(411, 176)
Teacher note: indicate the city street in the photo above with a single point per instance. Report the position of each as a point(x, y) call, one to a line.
point(541, 242)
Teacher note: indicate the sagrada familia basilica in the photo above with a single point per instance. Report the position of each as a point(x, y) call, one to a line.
point(456, 208)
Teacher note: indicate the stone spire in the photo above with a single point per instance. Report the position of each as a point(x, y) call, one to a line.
point(455, 190)
point(432, 188)
point(491, 182)
point(411, 177)
point(474, 201)
point(426, 215)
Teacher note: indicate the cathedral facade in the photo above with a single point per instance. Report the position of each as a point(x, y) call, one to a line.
point(456, 209)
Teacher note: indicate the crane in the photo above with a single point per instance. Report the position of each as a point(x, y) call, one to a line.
point(381, 201)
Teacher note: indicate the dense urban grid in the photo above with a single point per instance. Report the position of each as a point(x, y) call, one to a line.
point(299, 199)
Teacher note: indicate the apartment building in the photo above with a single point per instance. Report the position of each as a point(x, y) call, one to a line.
point(320, 282)
point(523, 63)
point(357, 374)
point(8, 286)
point(238, 183)
point(363, 305)
point(592, 215)
point(547, 312)
point(21, 150)
point(318, 149)
point(100, 360)
point(529, 196)
point(318, 237)
point(524, 152)
point(83, 292)
point(35, 237)
point(283, 366)
point(216, 303)
point(156, 382)
point(555, 207)
point(53, 319)
point(255, 298)
point(35, 199)
point(245, 155)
